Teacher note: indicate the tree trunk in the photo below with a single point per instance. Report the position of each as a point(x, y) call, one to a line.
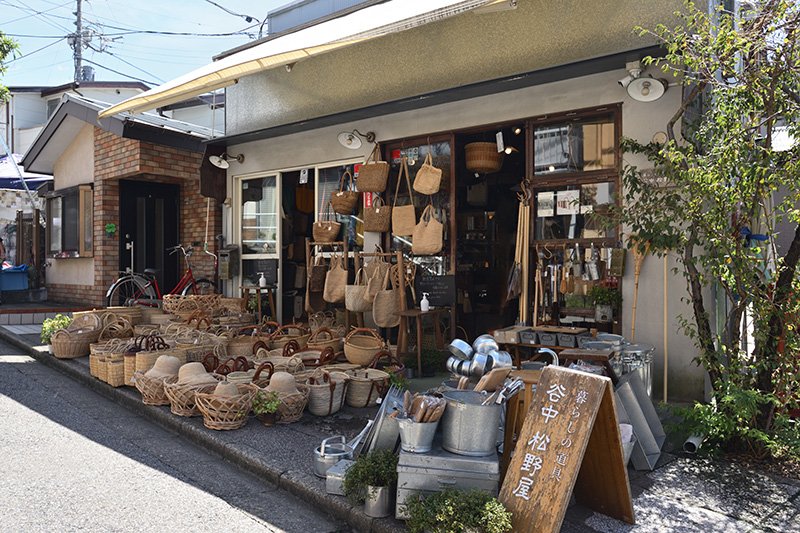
point(704, 335)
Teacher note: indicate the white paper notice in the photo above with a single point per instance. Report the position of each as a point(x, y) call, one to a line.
point(545, 204)
point(568, 202)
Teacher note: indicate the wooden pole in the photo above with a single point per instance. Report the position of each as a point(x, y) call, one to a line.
point(666, 328)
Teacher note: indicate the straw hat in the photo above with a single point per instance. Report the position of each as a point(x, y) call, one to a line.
point(166, 366)
point(226, 389)
point(282, 382)
point(194, 373)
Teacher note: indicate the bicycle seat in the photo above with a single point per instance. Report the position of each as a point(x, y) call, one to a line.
point(151, 271)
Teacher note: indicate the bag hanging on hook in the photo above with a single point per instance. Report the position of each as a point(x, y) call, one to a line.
point(404, 217)
point(428, 178)
point(373, 174)
point(345, 199)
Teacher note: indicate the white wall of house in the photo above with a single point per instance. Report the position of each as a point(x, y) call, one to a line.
point(640, 121)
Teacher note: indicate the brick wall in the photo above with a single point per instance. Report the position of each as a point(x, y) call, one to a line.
point(117, 158)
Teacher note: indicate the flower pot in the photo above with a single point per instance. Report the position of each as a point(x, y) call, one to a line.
point(378, 503)
point(603, 313)
point(268, 419)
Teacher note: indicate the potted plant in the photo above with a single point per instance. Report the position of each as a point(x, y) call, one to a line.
point(265, 406)
point(606, 301)
point(51, 325)
point(371, 481)
point(432, 362)
point(452, 511)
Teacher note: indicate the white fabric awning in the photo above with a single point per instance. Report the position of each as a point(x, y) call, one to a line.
point(368, 23)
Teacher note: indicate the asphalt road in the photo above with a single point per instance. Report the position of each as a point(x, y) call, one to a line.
point(72, 460)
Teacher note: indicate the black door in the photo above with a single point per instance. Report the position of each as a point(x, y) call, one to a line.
point(148, 218)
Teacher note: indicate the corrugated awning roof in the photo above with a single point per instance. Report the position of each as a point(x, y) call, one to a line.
point(374, 21)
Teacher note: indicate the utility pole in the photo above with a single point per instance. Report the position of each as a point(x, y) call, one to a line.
point(77, 42)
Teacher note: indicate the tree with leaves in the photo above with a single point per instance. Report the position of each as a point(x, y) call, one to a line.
point(8, 48)
point(732, 187)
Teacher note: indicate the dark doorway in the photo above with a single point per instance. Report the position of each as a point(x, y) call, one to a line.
point(148, 218)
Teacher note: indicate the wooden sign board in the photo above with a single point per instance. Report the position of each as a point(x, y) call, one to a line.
point(441, 289)
point(569, 440)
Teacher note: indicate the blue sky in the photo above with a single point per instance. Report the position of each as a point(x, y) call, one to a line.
point(40, 27)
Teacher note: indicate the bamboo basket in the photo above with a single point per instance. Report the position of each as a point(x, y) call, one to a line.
point(129, 364)
point(323, 338)
point(72, 344)
point(102, 368)
point(133, 313)
point(328, 391)
point(483, 157)
point(115, 370)
point(152, 389)
point(361, 345)
point(366, 387)
point(182, 398)
point(226, 413)
point(94, 363)
point(292, 405)
point(116, 327)
point(289, 332)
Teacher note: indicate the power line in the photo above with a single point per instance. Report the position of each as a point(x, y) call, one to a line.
point(248, 18)
point(37, 50)
point(134, 66)
point(120, 73)
point(34, 14)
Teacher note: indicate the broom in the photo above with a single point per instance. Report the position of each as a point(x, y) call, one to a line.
point(640, 251)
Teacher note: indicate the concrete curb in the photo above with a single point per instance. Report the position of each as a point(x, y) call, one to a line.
point(289, 480)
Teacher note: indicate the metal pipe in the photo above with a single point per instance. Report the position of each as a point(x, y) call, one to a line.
point(693, 443)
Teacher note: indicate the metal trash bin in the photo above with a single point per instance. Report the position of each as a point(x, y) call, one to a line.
point(639, 358)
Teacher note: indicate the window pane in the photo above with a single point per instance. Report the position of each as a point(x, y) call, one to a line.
point(55, 223)
point(71, 222)
point(574, 212)
point(87, 220)
point(578, 146)
point(260, 219)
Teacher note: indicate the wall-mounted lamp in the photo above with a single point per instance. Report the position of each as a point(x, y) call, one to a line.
point(510, 150)
point(289, 66)
point(352, 139)
point(642, 88)
point(223, 161)
point(517, 130)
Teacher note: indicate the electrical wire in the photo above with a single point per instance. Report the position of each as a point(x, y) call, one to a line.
point(118, 72)
point(134, 66)
point(37, 50)
point(248, 18)
point(34, 14)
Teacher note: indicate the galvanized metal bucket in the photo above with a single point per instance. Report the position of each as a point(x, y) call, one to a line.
point(469, 428)
point(416, 437)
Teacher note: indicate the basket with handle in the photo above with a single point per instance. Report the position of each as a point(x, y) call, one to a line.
point(388, 362)
point(325, 338)
point(224, 413)
point(361, 345)
point(326, 229)
point(242, 342)
point(292, 405)
point(283, 360)
point(289, 332)
point(316, 358)
point(133, 314)
point(328, 391)
point(152, 389)
point(116, 327)
point(115, 369)
point(366, 387)
point(181, 397)
point(345, 199)
point(72, 344)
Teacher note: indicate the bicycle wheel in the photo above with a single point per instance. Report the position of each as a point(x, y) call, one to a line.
point(130, 290)
point(200, 286)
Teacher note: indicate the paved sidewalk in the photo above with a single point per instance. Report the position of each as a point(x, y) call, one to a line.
point(684, 493)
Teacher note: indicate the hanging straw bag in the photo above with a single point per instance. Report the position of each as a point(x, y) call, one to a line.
point(373, 174)
point(344, 200)
point(386, 307)
point(428, 178)
point(378, 217)
point(354, 299)
point(404, 217)
point(375, 270)
point(427, 238)
point(328, 390)
point(316, 275)
point(335, 281)
point(326, 229)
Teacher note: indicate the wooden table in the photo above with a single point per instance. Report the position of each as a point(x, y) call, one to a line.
point(258, 291)
point(418, 315)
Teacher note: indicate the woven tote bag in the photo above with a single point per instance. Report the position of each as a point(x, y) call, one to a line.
point(326, 229)
point(373, 173)
point(345, 199)
point(335, 281)
point(378, 217)
point(404, 217)
point(374, 272)
point(354, 299)
point(427, 239)
point(386, 306)
point(316, 275)
point(428, 178)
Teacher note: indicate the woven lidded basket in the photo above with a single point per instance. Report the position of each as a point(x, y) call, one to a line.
point(226, 412)
point(152, 389)
point(366, 387)
point(361, 345)
point(483, 157)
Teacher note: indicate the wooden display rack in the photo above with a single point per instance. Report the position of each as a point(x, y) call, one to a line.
point(335, 244)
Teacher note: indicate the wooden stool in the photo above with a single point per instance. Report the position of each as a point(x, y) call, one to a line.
point(258, 291)
point(417, 315)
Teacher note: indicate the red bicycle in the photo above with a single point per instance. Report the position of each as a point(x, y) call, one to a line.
point(134, 288)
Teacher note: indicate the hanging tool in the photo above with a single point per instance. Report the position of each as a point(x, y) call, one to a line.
point(640, 251)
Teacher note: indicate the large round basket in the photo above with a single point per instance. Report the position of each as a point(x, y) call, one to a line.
point(483, 157)
point(152, 389)
point(69, 344)
point(226, 413)
point(361, 345)
point(292, 405)
point(181, 398)
point(328, 390)
point(366, 387)
point(289, 332)
point(323, 338)
point(116, 327)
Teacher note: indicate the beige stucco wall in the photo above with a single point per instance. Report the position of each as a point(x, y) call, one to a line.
point(76, 164)
point(462, 50)
point(640, 121)
point(74, 271)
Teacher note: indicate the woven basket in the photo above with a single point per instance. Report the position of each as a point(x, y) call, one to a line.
point(72, 344)
point(116, 327)
point(152, 389)
point(388, 362)
point(94, 363)
point(133, 314)
point(316, 358)
point(323, 338)
point(102, 368)
point(328, 390)
point(130, 368)
point(226, 413)
point(163, 319)
point(292, 405)
point(148, 313)
point(366, 387)
point(145, 329)
point(115, 370)
point(234, 305)
point(289, 332)
point(483, 157)
point(181, 398)
point(342, 367)
point(361, 345)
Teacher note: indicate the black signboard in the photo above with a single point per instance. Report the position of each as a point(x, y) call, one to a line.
point(269, 267)
point(441, 290)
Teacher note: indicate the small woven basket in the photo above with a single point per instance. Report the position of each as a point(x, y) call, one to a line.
point(181, 398)
point(483, 157)
point(152, 389)
point(366, 387)
point(361, 345)
point(225, 413)
point(133, 313)
point(102, 368)
point(328, 390)
point(292, 405)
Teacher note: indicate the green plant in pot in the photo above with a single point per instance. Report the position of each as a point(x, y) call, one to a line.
point(432, 362)
point(606, 301)
point(51, 325)
point(371, 481)
point(457, 511)
point(265, 407)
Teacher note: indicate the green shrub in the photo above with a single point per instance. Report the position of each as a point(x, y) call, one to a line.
point(377, 468)
point(454, 511)
point(51, 325)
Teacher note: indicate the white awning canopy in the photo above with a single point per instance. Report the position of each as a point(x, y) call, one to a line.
point(368, 23)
